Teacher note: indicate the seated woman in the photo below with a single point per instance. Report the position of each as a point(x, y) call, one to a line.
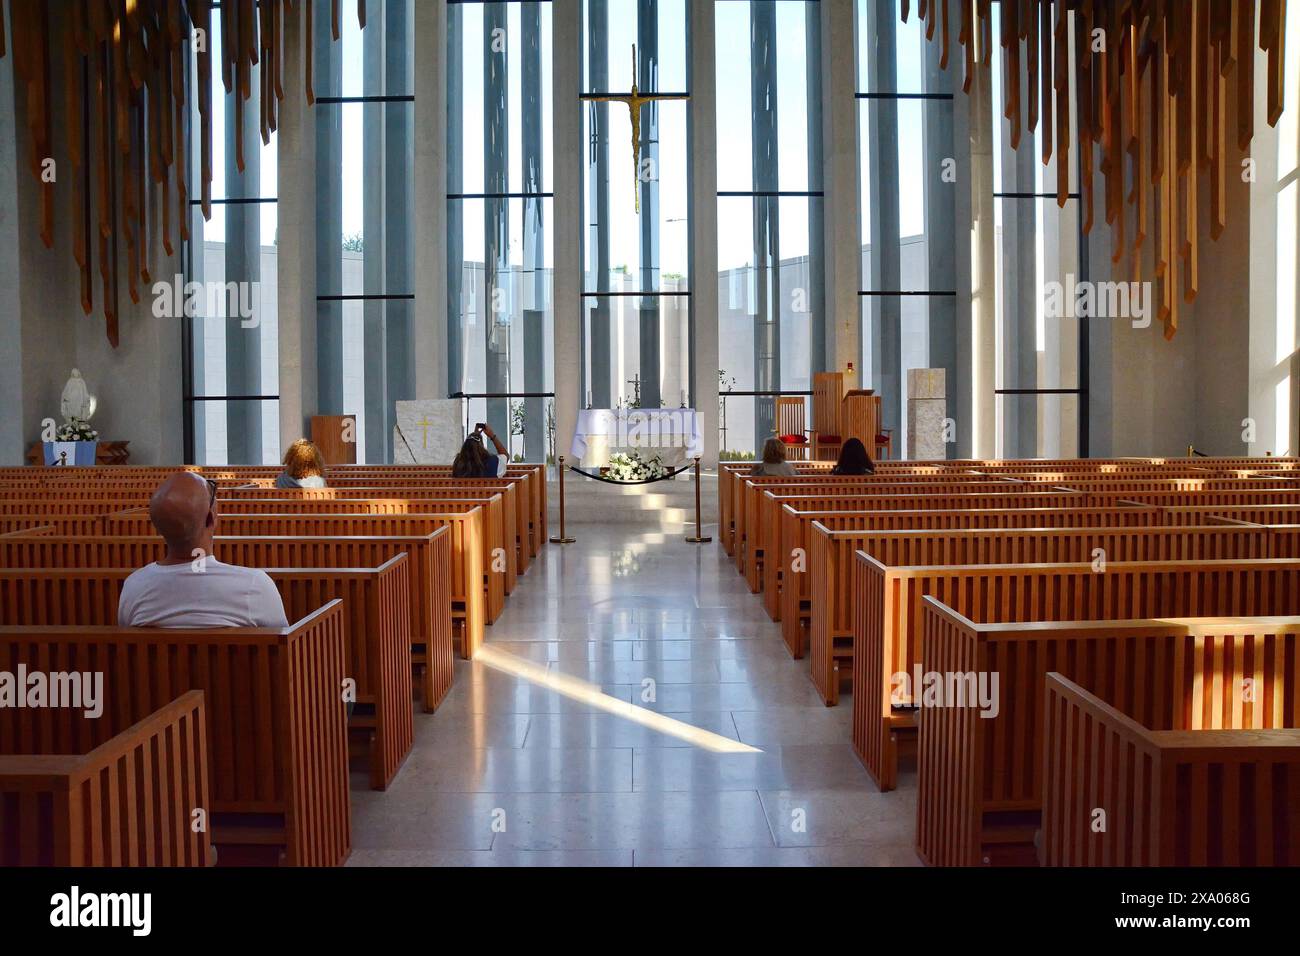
point(303, 467)
point(854, 460)
point(475, 461)
point(773, 464)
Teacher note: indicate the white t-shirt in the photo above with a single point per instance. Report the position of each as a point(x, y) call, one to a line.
point(178, 595)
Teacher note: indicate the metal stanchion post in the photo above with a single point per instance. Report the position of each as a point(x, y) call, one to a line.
point(698, 537)
point(562, 538)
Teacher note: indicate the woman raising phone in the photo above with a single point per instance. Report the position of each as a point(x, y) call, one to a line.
point(475, 461)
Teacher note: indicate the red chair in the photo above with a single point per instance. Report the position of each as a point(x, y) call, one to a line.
point(790, 428)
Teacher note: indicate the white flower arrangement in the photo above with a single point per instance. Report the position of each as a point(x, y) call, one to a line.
point(632, 467)
point(76, 430)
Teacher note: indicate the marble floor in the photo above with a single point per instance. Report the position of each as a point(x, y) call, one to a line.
point(633, 706)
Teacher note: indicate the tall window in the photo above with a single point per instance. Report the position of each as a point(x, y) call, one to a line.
point(1037, 368)
point(231, 360)
point(909, 234)
point(636, 327)
point(499, 252)
point(364, 156)
point(1283, 354)
point(771, 293)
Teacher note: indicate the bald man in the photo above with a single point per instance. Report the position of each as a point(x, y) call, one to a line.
point(188, 587)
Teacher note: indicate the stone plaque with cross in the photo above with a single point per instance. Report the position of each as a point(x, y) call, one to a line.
point(428, 431)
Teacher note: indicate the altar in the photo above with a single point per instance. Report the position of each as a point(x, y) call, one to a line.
point(671, 433)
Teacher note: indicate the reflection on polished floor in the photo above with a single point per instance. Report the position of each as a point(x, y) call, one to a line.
point(633, 706)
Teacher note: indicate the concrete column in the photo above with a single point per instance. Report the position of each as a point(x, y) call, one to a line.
point(883, 231)
point(983, 304)
point(942, 226)
point(840, 181)
point(296, 256)
point(703, 134)
point(429, 201)
point(566, 33)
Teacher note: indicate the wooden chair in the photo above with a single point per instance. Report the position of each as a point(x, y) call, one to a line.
point(828, 394)
point(860, 413)
point(791, 427)
point(61, 791)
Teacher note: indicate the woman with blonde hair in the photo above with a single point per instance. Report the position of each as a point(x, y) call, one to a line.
point(773, 464)
point(303, 467)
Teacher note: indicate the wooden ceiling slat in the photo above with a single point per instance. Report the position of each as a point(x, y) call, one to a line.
point(1159, 146)
point(125, 115)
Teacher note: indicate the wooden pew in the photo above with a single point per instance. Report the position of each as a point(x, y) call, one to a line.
point(728, 472)
point(64, 523)
point(47, 507)
point(775, 521)
point(475, 564)
point(981, 772)
point(797, 524)
point(749, 548)
point(276, 729)
point(403, 501)
point(1254, 514)
point(888, 618)
point(61, 794)
point(762, 498)
point(1172, 797)
point(1241, 497)
point(376, 604)
point(131, 487)
point(395, 487)
point(514, 538)
point(433, 596)
point(831, 566)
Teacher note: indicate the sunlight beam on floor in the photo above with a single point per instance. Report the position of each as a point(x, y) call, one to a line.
point(586, 693)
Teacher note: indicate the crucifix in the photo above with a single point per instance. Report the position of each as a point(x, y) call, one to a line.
point(635, 100)
point(635, 382)
point(424, 424)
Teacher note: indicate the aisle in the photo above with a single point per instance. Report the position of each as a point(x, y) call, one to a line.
point(546, 752)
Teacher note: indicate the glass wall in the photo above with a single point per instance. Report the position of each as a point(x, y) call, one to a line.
point(908, 182)
point(231, 358)
point(636, 325)
point(771, 290)
point(1039, 401)
point(500, 321)
point(364, 155)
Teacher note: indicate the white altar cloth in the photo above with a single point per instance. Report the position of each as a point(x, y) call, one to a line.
point(671, 433)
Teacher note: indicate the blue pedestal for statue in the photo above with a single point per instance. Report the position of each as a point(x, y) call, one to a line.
point(70, 452)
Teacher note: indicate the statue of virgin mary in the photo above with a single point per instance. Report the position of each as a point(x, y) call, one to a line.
point(77, 402)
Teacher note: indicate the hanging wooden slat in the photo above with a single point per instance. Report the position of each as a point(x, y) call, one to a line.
point(1161, 145)
point(125, 109)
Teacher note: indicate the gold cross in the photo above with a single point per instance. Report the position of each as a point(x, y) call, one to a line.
point(424, 423)
point(635, 100)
